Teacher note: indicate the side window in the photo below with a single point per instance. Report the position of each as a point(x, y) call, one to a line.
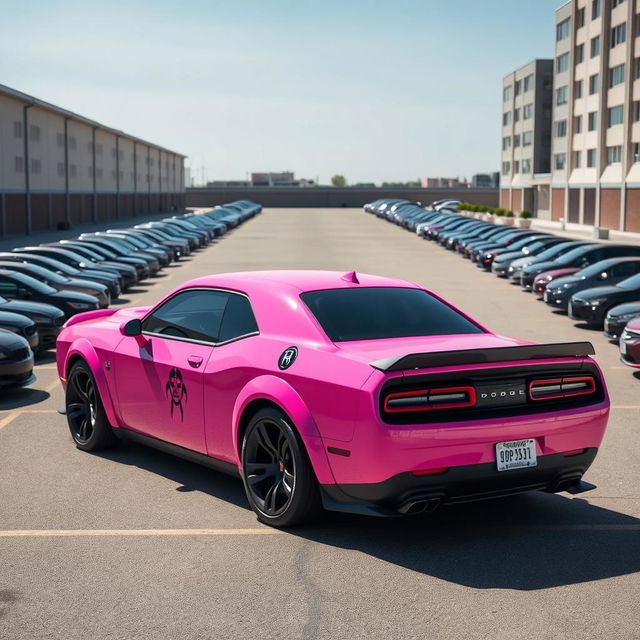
point(195, 314)
point(238, 319)
point(623, 270)
point(8, 288)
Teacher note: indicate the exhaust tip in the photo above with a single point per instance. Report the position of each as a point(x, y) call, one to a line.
point(420, 505)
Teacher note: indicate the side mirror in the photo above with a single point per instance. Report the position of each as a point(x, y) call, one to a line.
point(132, 328)
point(23, 293)
point(604, 275)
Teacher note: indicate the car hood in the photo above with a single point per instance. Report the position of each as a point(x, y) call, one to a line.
point(507, 255)
point(66, 295)
point(11, 342)
point(570, 280)
point(521, 263)
point(634, 325)
point(18, 306)
point(371, 350)
point(624, 309)
point(556, 273)
point(8, 319)
point(86, 284)
point(599, 292)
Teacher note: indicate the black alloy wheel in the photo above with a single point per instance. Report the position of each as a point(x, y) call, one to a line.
point(86, 418)
point(277, 474)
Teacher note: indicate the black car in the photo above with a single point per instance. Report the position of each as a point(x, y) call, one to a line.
point(591, 305)
point(179, 244)
point(606, 272)
point(22, 326)
point(122, 249)
point(578, 258)
point(81, 268)
point(58, 281)
point(161, 254)
point(172, 252)
point(48, 319)
point(138, 266)
point(617, 318)
point(534, 247)
point(16, 361)
point(551, 253)
point(14, 285)
point(485, 256)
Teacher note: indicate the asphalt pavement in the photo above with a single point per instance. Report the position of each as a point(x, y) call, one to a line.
point(133, 543)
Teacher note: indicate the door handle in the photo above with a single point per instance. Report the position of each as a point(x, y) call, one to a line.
point(194, 361)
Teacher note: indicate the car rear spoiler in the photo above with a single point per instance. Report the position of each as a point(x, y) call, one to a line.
point(481, 356)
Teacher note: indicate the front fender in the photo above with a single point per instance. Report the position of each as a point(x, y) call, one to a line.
point(83, 348)
point(282, 394)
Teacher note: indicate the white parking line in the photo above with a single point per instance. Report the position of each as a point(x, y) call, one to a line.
point(16, 414)
point(72, 533)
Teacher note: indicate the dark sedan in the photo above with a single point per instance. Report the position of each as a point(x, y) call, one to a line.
point(48, 319)
point(552, 253)
point(609, 272)
point(535, 246)
point(22, 326)
point(591, 306)
point(616, 319)
point(14, 285)
point(16, 361)
point(630, 344)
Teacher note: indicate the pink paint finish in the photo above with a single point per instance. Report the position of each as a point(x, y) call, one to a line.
point(198, 395)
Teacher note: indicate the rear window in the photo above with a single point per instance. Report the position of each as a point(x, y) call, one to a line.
point(373, 313)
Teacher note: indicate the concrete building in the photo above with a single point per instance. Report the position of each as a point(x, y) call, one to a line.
point(58, 168)
point(595, 176)
point(485, 180)
point(443, 183)
point(526, 137)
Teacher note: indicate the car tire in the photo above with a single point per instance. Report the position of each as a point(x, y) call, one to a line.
point(278, 478)
point(86, 417)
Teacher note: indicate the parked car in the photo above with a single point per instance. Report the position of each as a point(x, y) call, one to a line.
point(553, 252)
point(618, 317)
point(591, 305)
point(16, 361)
point(371, 425)
point(537, 245)
point(606, 272)
point(22, 326)
point(121, 248)
point(630, 344)
point(48, 319)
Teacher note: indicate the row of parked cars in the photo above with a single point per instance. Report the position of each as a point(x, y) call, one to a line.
point(596, 284)
point(43, 285)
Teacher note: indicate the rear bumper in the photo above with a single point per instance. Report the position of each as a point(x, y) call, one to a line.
point(405, 493)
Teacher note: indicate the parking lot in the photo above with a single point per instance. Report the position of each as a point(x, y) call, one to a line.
point(134, 543)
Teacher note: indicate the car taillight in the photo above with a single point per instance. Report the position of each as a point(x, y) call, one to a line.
point(566, 387)
point(430, 399)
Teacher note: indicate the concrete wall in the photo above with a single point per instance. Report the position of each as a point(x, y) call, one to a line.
point(331, 196)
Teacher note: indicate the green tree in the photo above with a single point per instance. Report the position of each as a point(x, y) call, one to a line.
point(338, 181)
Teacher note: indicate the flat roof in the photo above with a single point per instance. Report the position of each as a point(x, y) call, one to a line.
point(23, 97)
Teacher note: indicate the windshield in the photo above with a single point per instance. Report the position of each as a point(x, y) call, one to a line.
point(32, 283)
point(569, 257)
point(35, 271)
point(521, 243)
point(631, 283)
point(375, 313)
point(594, 269)
point(554, 251)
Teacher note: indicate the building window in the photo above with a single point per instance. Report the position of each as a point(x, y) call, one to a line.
point(577, 159)
point(518, 87)
point(60, 139)
point(72, 142)
point(516, 166)
point(17, 129)
point(616, 75)
point(615, 116)
point(592, 123)
point(577, 124)
point(527, 111)
point(19, 164)
point(561, 128)
point(591, 158)
point(526, 166)
point(596, 9)
point(560, 160)
point(60, 169)
point(36, 165)
point(528, 81)
point(618, 34)
point(527, 138)
point(562, 63)
point(506, 167)
point(506, 118)
point(516, 115)
point(34, 133)
point(580, 18)
point(506, 143)
point(562, 29)
point(636, 152)
point(516, 140)
point(594, 84)
point(579, 53)
point(72, 170)
point(561, 95)
point(577, 89)
point(614, 155)
point(636, 110)
point(595, 46)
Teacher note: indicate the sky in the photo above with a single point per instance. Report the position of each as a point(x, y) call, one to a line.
point(375, 90)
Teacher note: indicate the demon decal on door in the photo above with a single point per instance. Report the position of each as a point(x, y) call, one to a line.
point(176, 391)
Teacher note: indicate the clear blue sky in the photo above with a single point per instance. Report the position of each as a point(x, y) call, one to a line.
point(373, 89)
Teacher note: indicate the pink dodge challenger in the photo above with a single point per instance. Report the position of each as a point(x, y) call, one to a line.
point(320, 389)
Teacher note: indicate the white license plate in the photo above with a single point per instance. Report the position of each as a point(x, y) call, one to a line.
point(516, 454)
point(546, 296)
point(623, 348)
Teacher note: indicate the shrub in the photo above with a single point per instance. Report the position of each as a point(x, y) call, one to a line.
point(498, 211)
point(508, 214)
point(525, 214)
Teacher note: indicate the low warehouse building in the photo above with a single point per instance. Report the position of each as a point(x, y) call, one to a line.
point(58, 169)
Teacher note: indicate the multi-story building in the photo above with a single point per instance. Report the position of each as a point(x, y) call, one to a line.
point(443, 183)
point(595, 177)
point(485, 180)
point(526, 137)
point(58, 168)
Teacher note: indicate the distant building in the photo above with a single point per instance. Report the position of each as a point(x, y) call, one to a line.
point(486, 180)
point(59, 168)
point(281, 179)
point(443, 183)
point(221, 184)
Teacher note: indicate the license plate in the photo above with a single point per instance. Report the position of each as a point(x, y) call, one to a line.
point(516, 454)
point(623, 348)
point(546, 296)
